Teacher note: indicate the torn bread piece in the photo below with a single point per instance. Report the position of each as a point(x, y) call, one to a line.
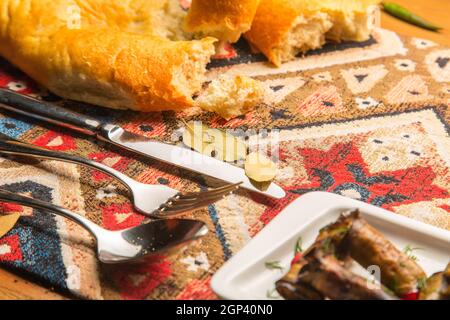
point(231, 97)
point(283, 28)
point(306, 24)
point(352, 20)
point(223, 19)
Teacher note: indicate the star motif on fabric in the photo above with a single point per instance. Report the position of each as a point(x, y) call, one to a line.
point(198, 262)
point(342, 170)
point(107, 192)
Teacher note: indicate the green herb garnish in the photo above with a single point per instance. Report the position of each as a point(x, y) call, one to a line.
point(298, 246)
point(339, 230)
point(408, 250)
point(421, 283)
point(273, 265)
point(327, 245)
point(394, 285)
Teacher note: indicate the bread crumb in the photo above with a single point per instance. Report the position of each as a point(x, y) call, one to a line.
point(231, 97)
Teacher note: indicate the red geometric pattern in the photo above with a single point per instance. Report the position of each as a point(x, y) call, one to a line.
point(326, 100)
point(343, 163)
point(342, 168)
point(446, 207)
point(10, 208)
point(120, 216)
point(161, 175)
point(10, 248)
point(138, 281)
point(248, 119)
point(149, 126)
point(197, 290)
point(112, 160)
point(56, 141)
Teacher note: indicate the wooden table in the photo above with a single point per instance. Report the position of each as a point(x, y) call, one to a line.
point(437, 11)
point(16, 287)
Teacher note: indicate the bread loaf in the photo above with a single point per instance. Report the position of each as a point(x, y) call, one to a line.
point(225, 20)
point(109, 54)
point(282, 29)
point(136, 54)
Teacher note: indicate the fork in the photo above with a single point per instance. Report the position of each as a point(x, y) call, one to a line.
point(155, 201)
point(129, 245)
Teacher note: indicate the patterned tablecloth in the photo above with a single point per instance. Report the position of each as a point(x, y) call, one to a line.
point(365, 120)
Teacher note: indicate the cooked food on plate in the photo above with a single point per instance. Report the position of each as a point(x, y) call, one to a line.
point(152, 55)
point(323, 271)
point(324, 276)
point(437, 287)
point(366, 245)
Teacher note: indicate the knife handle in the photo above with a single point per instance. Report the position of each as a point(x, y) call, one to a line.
point(48, 112)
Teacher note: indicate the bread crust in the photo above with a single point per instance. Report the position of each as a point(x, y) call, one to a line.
point(102, 62)
point(268, 30)
point(275, 19)
point(222, 19)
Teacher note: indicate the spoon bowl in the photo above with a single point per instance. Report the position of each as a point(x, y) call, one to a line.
point(155, 237)
point(129, 245)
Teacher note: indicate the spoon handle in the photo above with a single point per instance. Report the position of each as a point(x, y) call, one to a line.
point(94, 229)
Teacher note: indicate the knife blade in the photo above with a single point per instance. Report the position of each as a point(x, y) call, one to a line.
point(116, 135)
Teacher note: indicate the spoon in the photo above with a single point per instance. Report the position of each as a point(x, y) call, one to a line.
point(127, 245)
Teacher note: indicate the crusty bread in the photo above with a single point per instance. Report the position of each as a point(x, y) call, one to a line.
point(109, 58)
point(283, 28)
point(225, 20)
point(135, 54)
point(352, 20)
point(162, 18)
point(231, 97)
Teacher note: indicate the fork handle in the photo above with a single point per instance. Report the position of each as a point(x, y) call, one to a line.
point(13, 147)
point(94, 229)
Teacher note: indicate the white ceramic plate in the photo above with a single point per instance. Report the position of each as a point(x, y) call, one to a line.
point(245, 276)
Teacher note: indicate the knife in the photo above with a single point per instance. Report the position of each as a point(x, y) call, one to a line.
point(116, 135)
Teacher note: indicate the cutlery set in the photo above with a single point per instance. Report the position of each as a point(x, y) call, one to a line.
point(159, 202)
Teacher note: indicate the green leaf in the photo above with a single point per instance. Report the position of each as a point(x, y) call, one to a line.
point(408, 250)
point(273, 265)
point(298, 246)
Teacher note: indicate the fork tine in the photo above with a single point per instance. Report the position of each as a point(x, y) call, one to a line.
point(178, 206)
point(212, 192)
point(182, 205)
point(200, 196)
point(169, 211)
